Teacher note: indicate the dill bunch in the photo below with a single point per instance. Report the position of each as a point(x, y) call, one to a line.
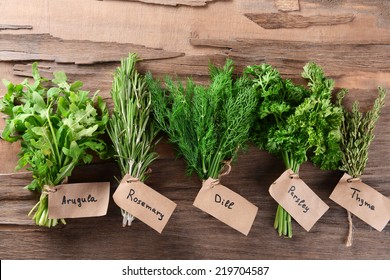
point(131, 127)
point(207, 123)
point(357, 133)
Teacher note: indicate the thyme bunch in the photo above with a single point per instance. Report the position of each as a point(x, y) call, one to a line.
point(357, 133)
point(131, 127)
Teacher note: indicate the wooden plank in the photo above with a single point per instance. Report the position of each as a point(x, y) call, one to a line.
point(287, 5)
point(8, 156)
point(282, 20)
point(356, 66)
point(192, 3)
point(46, 47)
point(192, 234)
point(88, 44)
point(14, 27)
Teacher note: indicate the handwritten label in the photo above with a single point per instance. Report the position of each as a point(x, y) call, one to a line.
point(144, 203)
point(226, 205)
point(298, 199)
point(363, 201)
point(79, 200)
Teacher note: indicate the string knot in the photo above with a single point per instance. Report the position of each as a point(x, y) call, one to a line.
point(354, 179)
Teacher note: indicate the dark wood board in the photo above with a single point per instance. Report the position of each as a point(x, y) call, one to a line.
point(192, 234)
point(350, 39)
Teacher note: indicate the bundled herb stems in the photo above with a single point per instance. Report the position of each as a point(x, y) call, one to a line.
point(296, 123)
point(357, 133)
point(131, 128)
point(209, 124)
point(58, 128)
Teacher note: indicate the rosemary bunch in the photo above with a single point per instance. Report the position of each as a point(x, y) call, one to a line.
point(207, 123)
point(357, 133)
point(131, 127)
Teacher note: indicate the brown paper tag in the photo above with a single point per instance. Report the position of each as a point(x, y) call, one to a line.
point(144, 203)
point(363, 201)
point(298, 199)
point(79, 200)
point(226, 205)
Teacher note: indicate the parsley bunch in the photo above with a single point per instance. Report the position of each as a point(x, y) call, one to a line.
point(357, 133)
point(131, 128)
point(296, 123)
point(207, 123)
point(58, 128)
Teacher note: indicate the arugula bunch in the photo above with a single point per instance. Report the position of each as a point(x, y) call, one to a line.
point(357, 133)
point(296, 123)
point(131, 128)
point(58, 128)
point(207, 123)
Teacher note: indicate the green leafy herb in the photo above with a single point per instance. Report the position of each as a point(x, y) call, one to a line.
point(58, 128)
point(296, 123)
point(357, 133)
point(131, 128)
point(208, 124)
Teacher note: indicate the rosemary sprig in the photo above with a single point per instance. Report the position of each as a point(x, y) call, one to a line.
point(131, 129)
point(207, 124)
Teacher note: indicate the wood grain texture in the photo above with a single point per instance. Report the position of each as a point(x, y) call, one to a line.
point(192, 3)
point(192, 234)
point(45, 47)
point(277, 20)
point(14, 27)
point(287, 5)
point(9, 158)
point(360, 66)
point(88, 43)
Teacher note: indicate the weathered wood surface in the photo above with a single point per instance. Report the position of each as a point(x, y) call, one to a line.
point(350, 39)
point(193, 3)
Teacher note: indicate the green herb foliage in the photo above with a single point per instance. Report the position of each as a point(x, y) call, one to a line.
point(58, 128)
point(207, 123)
point(131, 128)
point(296, 123)
point(357, 131)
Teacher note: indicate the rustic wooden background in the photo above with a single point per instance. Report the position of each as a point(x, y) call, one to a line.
point(349, 38)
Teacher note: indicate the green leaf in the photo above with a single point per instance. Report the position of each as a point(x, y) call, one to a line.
point(53, 93)
point(35, 72)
